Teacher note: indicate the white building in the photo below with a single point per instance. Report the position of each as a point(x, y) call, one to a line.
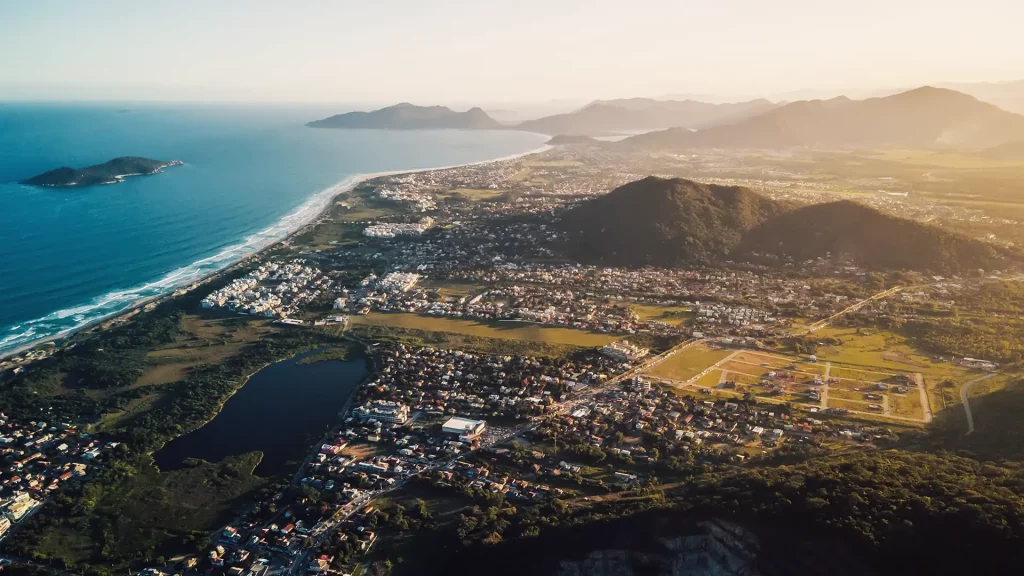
point(383, 411)
point(624, 351)
point(466, 429)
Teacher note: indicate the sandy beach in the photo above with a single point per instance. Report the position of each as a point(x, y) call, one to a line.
point(320, 210)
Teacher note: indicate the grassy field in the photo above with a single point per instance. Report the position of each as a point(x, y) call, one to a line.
point(675, 315)
point(688, 363)
point(203, 341)
point(709, 380)
point(497, 330)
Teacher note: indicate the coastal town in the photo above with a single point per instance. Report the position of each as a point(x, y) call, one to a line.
point(502, 373)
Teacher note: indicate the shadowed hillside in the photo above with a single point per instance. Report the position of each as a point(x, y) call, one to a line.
point(665, 222)
point(864, 235)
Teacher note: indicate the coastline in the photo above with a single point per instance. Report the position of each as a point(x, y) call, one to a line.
point(330, 195)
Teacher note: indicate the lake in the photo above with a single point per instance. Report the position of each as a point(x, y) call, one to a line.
point(280, 412)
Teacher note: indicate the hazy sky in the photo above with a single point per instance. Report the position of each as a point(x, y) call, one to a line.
point(481, 50)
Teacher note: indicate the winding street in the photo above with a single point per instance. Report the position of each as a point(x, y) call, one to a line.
point(967, 404)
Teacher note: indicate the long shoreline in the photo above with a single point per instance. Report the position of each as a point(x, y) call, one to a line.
point(302, 227)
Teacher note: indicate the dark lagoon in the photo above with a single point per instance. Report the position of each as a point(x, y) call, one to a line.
point(280, 411)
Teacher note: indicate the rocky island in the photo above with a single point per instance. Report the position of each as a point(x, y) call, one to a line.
point(111, 172)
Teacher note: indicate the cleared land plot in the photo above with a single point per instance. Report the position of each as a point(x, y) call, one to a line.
point(688, 363)
point(709, 380)
point(852, 405)
point(675, 315)
point(908, 405)
point(750, 369)
point(499, 330)
point(741, 378)
point(858, 374)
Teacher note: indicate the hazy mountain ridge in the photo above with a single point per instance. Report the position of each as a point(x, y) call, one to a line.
point(922, 118)
point(633, 114)
point(407, 116)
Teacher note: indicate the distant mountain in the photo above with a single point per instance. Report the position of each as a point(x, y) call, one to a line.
point(1008, 151)
point(572, 139)
point(664, 222)
point(870, 238)
point(636, 114)
point(110, 172)
point(922, 118)
point(407, 116)
point(1007, 95)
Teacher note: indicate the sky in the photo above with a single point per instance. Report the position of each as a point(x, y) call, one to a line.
point(466, 51)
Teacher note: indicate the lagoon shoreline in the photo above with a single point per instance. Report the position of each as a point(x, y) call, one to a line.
point(175, 291)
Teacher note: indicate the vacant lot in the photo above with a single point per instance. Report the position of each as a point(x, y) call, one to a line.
point(688, 363)
point(500, 330)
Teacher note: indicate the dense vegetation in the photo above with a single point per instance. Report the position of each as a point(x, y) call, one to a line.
point(132, 514)
point(864, 235)
point(664, 222)
point(98, 174)
point(879, 512)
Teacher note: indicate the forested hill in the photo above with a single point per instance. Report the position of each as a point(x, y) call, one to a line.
point(107, 173)
point(883, 512)
point(664, 222)
point(407, 116)
point(853, 231)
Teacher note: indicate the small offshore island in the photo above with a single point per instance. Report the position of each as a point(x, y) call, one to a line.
point(111, 172)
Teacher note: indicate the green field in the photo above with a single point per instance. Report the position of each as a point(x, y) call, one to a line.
point(688, 363)
point(675, 315)
point(498, 330)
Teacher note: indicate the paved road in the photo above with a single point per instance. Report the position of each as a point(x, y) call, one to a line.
point(967, 404)
point(853, 308)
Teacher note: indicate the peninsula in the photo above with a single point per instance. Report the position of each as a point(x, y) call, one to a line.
point(407, 116)
point(111, 172)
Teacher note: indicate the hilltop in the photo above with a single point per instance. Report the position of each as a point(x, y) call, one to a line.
point(664, 222)
point(111, 172)
point(669, 222)
point(922, 118)
point(870, 238)
point(407, 116)
point(633, 114)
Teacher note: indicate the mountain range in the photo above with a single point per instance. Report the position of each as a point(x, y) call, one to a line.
point(407, 116)
point(922, 118)
point(670, 222)
point(639, 114)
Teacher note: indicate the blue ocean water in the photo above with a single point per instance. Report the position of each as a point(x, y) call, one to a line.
point(252, 174)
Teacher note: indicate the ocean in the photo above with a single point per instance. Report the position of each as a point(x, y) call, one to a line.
point(252, 174)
